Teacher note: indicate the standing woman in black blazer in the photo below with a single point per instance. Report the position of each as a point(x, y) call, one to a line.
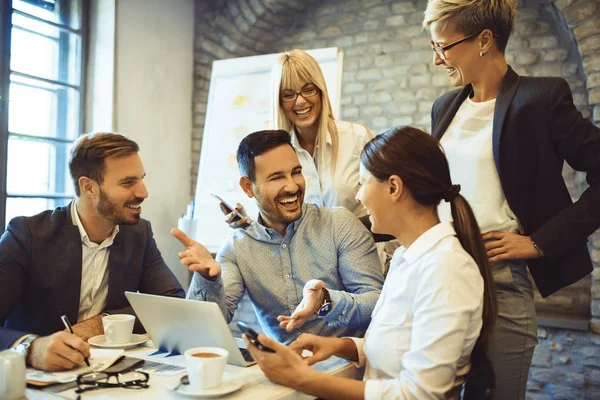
point(506, 138)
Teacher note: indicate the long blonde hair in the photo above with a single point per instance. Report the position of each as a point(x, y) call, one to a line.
point(291, 70)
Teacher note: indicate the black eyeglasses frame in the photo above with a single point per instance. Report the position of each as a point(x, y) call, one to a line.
point(99, 384)
point(441, 50)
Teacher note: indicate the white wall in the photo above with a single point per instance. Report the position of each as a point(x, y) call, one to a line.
point(100, 67)
point(152, 100)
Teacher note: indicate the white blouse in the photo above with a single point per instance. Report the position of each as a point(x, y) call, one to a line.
point(467, 144)
point(324, 188)
point(426, 321)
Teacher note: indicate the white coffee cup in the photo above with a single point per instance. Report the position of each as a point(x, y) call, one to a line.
point(118, 328)
point(12, 375)
point(205, 366)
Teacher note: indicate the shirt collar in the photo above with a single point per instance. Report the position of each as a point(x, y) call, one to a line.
point(428, 240)
point(296, 143)
point(84, 236)
point(260, 231)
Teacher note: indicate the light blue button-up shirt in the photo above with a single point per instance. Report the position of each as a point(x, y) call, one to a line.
point(329, 244)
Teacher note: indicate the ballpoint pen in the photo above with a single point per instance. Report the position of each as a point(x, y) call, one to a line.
point(67, 324)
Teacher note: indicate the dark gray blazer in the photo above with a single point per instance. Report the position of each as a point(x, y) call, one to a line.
point(40, 272)
point(536, 128)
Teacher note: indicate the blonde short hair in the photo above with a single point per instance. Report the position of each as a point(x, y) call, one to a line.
point(291, 70)
point(473, 16)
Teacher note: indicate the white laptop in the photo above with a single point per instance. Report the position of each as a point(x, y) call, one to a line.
point(176, 325)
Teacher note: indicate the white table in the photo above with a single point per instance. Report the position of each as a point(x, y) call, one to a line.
point(255, 384)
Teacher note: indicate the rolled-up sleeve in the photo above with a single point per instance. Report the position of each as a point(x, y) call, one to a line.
point(360, 349)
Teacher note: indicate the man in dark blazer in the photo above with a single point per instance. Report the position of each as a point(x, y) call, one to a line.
point(81, 258)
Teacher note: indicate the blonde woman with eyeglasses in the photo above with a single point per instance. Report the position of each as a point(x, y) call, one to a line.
point(506, 138)
point(328, 148)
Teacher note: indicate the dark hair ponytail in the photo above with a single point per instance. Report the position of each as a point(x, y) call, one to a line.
point(481, 379)
point(417, 158)
point(469, 236)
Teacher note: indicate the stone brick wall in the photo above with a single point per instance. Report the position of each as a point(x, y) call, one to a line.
point(389, 79)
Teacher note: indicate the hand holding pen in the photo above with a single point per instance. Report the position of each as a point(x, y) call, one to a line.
point(67, 325)
point(58, 352)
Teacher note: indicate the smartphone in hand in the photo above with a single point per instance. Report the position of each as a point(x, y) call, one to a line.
point(229, 208)
point(253, 336)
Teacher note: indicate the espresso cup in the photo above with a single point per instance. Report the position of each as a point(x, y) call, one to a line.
point(205, 366)
point(12, 375)
point(118, 328)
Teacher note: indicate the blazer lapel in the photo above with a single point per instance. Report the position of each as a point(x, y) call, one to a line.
point(447, 115)
point(508, 87)
point(116, 261)
point(68, 246)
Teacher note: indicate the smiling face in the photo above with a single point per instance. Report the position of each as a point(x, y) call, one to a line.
point(374, 195)
point(462, 60)
point(122, 191)
point(304, 112)
point(278, 186)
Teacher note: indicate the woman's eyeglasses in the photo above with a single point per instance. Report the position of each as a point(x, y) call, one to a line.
point(306, 92)
point(440, 50)
point(99, 380)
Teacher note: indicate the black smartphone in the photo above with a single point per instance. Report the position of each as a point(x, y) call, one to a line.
point(229, 207)
point(125, 364)
point(253, 336)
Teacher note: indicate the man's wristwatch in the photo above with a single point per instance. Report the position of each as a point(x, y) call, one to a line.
point(23, 347)
point(326, 305)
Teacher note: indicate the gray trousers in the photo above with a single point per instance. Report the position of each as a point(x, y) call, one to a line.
point(515, 336)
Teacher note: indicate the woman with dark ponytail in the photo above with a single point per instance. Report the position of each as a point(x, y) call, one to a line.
point(437, 307)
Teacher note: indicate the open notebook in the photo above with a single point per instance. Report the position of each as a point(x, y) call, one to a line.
point(100, 360)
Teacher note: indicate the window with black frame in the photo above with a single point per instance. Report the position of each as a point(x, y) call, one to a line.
point(45, 79)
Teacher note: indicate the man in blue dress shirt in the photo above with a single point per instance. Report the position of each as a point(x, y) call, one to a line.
point(302, 265)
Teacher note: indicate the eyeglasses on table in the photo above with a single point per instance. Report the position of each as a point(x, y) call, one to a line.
point(100, 380)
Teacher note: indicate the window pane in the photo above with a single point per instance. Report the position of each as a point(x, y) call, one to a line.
point(56, 109)
point(65, 12)
point(36, 167)
point(44, 51)
point(43, 117)
point(16, 206)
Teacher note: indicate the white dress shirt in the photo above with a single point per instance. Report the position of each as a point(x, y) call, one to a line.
point(323, 187)
point(426, 321)
point(94, 270)
point(468, 147)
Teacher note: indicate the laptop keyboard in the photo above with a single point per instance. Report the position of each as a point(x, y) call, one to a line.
point(246, 355)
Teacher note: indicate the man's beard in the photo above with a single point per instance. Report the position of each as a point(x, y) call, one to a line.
point(115, 213)
point(271, 210)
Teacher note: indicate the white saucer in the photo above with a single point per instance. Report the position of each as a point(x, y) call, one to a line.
point(226, 387)
point(100, 341)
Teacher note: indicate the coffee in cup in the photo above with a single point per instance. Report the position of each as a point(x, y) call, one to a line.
point(118, 328)
point(205, 366)
point(206, 355)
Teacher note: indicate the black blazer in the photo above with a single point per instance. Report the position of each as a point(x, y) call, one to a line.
point(536, 128)
point(40, 272)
